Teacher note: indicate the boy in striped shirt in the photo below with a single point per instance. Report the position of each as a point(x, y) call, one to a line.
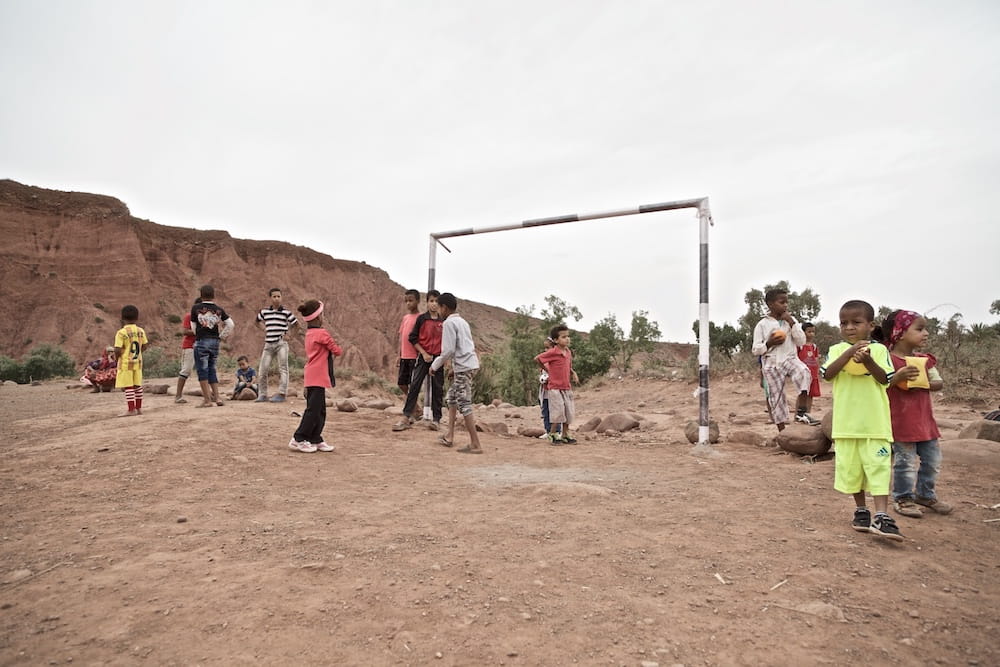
point(276, 320)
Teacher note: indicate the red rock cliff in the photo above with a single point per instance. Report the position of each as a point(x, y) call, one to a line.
point(71, 260)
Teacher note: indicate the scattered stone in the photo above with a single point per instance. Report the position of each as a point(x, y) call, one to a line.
point(182, 519)
point(587, 426)
point(612, 433)
point(36, 383)
point(156, 388)
point(17, 575)
point(691, 432)
point(804, 440)
point(531, 431)
point(377, 403)
point(492, 427)
point(619, 421)
point(347, 405)
point(496, 403)
point(984, 429)
point(746, 437)
point(246, 394)
point(826, 425)
point(506, 406)
point(241, 459)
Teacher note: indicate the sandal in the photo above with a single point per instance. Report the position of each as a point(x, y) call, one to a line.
point(402, 425)
point(204, 405)
point(180, 400)
point(444, 441)
point(469, 450)
point(219, 403)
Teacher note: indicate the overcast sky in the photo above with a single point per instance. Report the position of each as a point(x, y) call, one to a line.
point(851, 147)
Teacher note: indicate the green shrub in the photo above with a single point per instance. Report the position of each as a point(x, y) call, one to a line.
point(43, 363)
point(11, 369)
point(156, 363)
point(174, 319)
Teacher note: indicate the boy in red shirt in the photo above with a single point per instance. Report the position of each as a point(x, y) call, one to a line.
point(407, 353)
point(809, 355)
point(558, 361)
point(426, 339)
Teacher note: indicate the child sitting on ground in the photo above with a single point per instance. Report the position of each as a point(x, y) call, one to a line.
point(245, 377)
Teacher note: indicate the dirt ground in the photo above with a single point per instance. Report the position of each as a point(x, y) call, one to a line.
point(191, 536)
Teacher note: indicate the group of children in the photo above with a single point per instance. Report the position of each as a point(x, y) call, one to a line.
point(883, 420)
point(427, 342)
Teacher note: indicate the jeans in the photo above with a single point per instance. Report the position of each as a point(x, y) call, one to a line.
point(206, 351)
point(905, 474)
point(278, 349)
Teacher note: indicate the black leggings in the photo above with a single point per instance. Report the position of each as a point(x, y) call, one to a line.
point(314, 418)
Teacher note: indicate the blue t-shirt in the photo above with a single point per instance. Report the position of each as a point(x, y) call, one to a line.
point(247, 375)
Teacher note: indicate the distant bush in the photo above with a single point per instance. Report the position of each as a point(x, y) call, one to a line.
point(174, 319)
point(157, 364)
point(43, 363)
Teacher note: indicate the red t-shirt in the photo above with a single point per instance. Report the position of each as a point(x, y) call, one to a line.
point(187, 342)
point(809, 355)
point(406, 349)
point(560, 366)
point(319, 345)
point(912, 412)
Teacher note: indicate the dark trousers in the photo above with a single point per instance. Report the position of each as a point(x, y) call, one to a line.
point(314, 418)
point(420, 371)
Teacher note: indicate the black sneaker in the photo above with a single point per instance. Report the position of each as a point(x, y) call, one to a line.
point(885, 526)
point(862, 520)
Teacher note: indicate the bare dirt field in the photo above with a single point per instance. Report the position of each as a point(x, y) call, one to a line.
point(191, 536)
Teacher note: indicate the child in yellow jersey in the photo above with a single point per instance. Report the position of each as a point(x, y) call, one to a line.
point(130, 341)
point(862, 428)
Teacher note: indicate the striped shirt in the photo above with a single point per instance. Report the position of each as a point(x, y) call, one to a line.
point(276, 322)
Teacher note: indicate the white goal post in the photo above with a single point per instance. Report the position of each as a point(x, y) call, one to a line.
point(704, 219)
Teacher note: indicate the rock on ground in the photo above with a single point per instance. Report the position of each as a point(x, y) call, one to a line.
point(984, 429)
point(691, 432)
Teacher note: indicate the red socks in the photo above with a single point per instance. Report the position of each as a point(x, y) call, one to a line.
point(133, 395)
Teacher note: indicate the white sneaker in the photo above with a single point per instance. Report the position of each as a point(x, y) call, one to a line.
point(324, 447)
point(304, 447)
point(807, 418)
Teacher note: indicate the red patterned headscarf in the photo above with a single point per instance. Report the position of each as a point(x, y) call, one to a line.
point(904, 318)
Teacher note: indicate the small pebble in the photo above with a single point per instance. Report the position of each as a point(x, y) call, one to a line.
point(182, 519)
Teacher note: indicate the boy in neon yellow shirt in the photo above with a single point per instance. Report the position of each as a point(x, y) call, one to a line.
point(860, 371)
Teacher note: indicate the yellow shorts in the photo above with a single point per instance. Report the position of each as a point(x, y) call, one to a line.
point(862, 464)
point(127, 378)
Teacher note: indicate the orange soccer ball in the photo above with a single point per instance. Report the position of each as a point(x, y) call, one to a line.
point(779, 335)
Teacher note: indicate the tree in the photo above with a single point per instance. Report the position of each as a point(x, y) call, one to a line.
point(592, 355)
point(995, 307)
point(804, 307)
point(643, 334)
point(725, 339)
point(558, 312)
point(513, 372)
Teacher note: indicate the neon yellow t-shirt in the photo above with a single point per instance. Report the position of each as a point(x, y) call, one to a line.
point(860, 402)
